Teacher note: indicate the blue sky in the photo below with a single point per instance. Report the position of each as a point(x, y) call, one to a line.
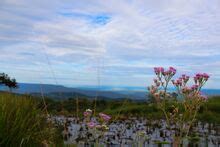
point(112, 42)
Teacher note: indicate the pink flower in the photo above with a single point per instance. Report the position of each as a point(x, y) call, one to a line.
point(205, 75)
point(91, 124)
point(196, 79)
point(158, 70)
point(161, 69)
point(198, 75)
point(179, 82)
point(194, 87)
point(105, 117)
point(200, 78)
point(157, 96)
point(88, 112)
point(165, 73)
point(183, 76)
point(172, 70)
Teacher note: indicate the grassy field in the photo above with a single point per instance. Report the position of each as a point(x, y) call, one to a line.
point(209, 112)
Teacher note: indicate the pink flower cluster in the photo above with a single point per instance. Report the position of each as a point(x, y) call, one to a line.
point(200, 78)
point(91, 124)
point(164, 77)
point(181, 81)
point(158, 70)
point(194, 87)
point(191, 97)
point(105, 117)
point(161, 70)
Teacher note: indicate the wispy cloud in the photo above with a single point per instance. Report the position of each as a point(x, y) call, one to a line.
point(117, 41)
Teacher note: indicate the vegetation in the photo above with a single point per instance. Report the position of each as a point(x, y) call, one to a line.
point(180, 112)
point(209, 112)
point(7, 81)
point(23, 120)
point(24, 123)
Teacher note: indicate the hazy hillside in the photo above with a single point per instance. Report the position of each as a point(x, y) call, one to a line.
point(59, 91)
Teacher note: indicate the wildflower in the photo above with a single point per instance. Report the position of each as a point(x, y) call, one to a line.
point(87, 113)
point(158, 70)
point(165, 73)
point(91, 124)
point(186, 78)
point(156, 95)
point(198, 75)
point(105, 117)
point(195, 87)
point(172, 70)
point(89, 110)
point(205, 76)
point(179, 82)
point(183, 76)
point(196, 79)
point(152, 89)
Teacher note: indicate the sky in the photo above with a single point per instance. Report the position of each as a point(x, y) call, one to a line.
point(114, 42)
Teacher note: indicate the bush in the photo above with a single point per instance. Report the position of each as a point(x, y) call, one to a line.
point(23, 123)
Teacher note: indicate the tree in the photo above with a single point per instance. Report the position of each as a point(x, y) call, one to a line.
point(7, 81)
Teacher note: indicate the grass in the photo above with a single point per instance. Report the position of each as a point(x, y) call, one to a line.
point(209, 112)
point(24, 123)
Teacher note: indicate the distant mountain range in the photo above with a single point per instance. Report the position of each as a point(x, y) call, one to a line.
point(105, 92)
point(59, 91)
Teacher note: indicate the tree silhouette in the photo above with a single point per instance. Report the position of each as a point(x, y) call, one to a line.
point(7, 81)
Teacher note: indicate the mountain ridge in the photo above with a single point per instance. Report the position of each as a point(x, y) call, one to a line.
point(60, 91)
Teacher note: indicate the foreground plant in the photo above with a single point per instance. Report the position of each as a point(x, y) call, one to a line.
point(180, 108)
point(97, 126)
point(23, 123)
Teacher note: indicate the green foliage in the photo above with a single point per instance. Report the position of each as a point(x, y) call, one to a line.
point(23, 123)
point(209, 112)
point(7, 81)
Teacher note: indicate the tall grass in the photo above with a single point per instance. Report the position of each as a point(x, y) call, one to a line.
point(23, 123)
